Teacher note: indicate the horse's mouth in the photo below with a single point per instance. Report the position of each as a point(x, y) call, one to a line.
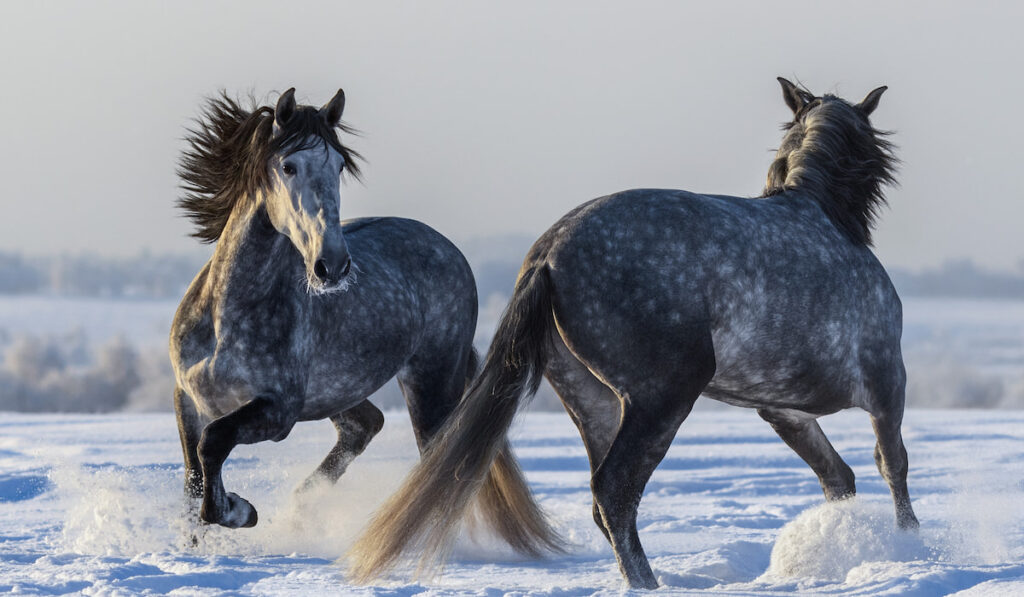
point(317, 287)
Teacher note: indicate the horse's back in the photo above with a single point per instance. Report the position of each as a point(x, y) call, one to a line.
point(793, 307)
point(407, 260)
point(404, 239)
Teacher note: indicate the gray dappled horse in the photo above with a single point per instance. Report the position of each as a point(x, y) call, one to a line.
point(298, 316)
point(634, 304)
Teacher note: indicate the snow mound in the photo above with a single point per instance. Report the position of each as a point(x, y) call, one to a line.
point(739, 561)
point(828, 541)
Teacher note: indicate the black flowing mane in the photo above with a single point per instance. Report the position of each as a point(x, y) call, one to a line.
point(228, 153)
point(832, 152)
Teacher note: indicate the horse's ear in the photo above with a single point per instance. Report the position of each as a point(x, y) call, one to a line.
point(331, 112)
point(795, 97)
point(870, 102)
point(285, 108)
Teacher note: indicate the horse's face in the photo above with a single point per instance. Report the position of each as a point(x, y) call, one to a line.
point(303, 202)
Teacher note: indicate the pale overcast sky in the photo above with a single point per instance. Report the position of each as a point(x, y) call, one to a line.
point(484, 118)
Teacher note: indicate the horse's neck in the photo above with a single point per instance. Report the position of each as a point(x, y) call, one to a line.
point(252, 259)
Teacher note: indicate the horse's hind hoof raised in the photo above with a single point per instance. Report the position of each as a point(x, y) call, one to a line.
point(238, 513)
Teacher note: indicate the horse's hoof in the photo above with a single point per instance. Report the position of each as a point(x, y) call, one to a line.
point(238, 513)
point(252, 519)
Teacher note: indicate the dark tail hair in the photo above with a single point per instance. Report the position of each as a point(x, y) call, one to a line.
point(470, 457)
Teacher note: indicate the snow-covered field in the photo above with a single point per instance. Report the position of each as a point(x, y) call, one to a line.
point(92, 504)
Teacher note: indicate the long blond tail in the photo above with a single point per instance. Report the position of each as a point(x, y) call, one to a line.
point(470, 457)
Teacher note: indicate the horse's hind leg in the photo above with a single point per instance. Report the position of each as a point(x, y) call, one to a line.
point(593, 407)
point(891, 458)
point(190, 428)
point(803, 434)
point(356, 427)
point(258, 420)
point(649, 423)
point(657, 393)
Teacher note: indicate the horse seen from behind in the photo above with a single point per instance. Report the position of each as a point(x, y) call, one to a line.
point(634, 304)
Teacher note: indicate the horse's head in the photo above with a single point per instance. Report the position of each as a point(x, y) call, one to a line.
point(810, 111)
point(832, 152)
point(303, 194)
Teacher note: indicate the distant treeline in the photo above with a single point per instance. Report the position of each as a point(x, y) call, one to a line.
point(143, 276)
point(961, 279)
point(167, 276)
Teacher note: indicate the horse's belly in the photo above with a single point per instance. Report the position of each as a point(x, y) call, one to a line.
point(325, 400)
point(786, 370)
point(337, 384)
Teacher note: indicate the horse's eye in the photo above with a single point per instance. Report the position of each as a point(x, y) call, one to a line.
point(288, 169)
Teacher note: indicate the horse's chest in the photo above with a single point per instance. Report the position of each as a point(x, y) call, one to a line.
point(226, 363)
point(233, 375)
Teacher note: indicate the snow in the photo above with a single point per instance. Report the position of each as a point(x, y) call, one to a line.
point(93, 505)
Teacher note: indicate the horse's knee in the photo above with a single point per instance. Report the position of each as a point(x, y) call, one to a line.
point(358, 425)
point(374, 421)
point(216, 441)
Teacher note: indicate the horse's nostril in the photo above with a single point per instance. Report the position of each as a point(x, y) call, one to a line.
point(346, 267)
point(320, 269)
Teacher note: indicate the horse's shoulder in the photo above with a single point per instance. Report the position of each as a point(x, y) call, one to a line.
point(397, 238)
point(196, 296)
point(193, 318)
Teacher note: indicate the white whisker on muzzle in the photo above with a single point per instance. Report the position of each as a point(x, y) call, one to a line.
point(317, 288)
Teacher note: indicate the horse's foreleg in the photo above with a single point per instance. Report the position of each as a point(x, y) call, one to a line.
point(356, 427)
point(259, 420)
point(432, 385)
point(805, 437)
point(891, 459)
point(190, 428)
